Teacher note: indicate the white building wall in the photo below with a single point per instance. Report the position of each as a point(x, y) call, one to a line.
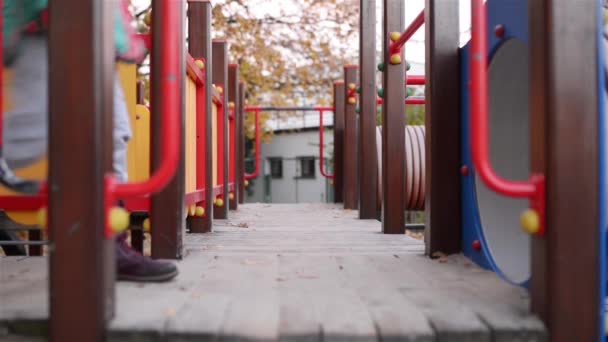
point(290, 188)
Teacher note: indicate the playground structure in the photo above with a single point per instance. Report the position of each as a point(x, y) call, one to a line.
point(499, 130)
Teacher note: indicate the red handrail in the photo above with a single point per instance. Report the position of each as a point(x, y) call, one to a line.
point(415, 80)
point(321, 159)
point(407, 34)
point(168, 77)
point(409, 100)
point(256, 171)
point(533, 188)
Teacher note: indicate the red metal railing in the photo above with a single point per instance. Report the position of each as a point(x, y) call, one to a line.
point(415, 80)
point(168, 77)
point(409, 100)
point(256, 171)
point(533, 188)
point(321, 158)
point(396, 45)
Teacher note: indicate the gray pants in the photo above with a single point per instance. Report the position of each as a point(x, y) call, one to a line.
point(26, 123)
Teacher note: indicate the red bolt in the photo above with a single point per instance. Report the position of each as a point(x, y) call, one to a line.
point(464, 170)
point(476, 245)
point(499, 31)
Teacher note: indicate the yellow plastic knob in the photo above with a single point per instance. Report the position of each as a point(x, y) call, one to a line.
point(331, 182)
point(148, 18)
point(530, 222)
point(199, 64)
point(395, 36)
point(231, 196)
point(246, 183)
point(219, 202)
point(352, 100)
point(119, 219)
point(199, 211)
point(396, 59)
point(146, 225)
point(231, 105)
point(191, 210)
point(41, 217)
point(352, 86)
point(219, 89)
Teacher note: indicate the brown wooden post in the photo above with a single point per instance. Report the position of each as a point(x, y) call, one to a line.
point(442, 127)
point(241, 142)
point(234, 98)
point(338, 141)
point(368, 170)
point(220, 78)
point(393, 125)
point(167, 214)
point(565, 266)
point(199, 46)
point(81, 267)
point(349, 164)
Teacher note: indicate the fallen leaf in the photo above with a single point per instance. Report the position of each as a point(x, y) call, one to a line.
point(170, 312)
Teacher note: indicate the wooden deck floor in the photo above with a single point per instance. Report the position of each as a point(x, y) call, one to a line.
point(306, 272)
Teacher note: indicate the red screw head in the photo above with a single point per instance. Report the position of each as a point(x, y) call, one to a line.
point(476, 245)
point(464, 170)
point(499, 31)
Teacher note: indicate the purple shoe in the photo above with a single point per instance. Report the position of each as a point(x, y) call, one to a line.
point(132, 266)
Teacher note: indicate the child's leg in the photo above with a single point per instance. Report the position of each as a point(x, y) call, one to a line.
point(122, 132)
point(25, 121)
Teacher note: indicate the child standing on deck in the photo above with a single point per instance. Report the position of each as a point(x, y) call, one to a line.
point(26, 123)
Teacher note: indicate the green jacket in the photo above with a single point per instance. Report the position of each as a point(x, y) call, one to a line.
point(18, 13)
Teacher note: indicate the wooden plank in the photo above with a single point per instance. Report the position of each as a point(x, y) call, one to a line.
point(368, 169)
point(350, 148)
point(393, 121)
point(234, 97)
point(220, 79)
point(199, 46)
point(241, 142)
point(81, 82)
point(338, 141)
point(442, 147)
point(568, 295)
point(167, 212)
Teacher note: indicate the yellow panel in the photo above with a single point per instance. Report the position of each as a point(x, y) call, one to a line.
point(190, 136)
point(214, 142)
point(139, 146)
point(128, 78)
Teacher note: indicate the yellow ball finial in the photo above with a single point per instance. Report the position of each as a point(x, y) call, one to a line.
point(146, 225)
point(119, 219)
point(530, 222)
point(331, 182)
point(396, 59)
point(352, 86)
point(219, 89)
point(246, 183)
point(148, 18)
point(352, 100)
point(199, 211)
point(395, 36)
point(219, 202)
point(231, 105)
point(41, 218)
point(199, 64)
point(231, 196)
point(191, 210)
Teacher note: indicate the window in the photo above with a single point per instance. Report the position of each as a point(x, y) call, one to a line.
point(276, 167)
point(307, 167)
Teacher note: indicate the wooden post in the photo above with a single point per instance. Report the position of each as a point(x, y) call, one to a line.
point(565, 287)
point(199, 46)
point(220, 79)
point(442, 143)
point(167, 214)
point(338, 141)
point(82, 266)
point(393, 125)
point(350, 147)
point(234, 98)
point(241, 142)
point(368, 170)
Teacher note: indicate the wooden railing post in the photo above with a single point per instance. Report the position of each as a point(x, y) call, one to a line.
point(338, 141)
point(368, 170)
point(234, 147)
point(393, 123)
point(199, 46)
point(167, 209)
point(350, 169)
point(442, 128)
point(220, 79)
point(565, 288)
point(241, 142)
point(82, 266)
